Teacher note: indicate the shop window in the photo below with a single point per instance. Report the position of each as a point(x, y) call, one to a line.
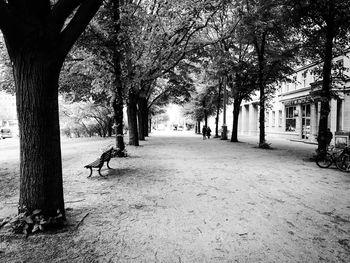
point(291, 118)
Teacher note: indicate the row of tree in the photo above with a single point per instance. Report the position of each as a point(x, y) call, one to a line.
point(256, 46)
point(145, 54)
point(131, 52)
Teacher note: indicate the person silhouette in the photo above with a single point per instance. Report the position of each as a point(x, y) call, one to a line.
point(208, 132)
point(204, 132)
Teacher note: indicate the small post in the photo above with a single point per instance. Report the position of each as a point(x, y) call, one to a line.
point(224, 126)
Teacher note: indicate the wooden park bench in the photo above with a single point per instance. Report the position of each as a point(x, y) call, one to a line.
point(105, 157)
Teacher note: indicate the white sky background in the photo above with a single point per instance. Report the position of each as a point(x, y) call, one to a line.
point(174, 113)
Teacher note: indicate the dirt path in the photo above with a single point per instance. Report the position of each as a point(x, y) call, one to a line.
point(182, 199)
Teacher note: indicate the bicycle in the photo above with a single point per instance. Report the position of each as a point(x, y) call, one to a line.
point(326, 160)
point(343, 160)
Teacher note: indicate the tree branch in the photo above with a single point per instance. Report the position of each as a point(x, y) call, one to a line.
point(76, 26)
point(62, 9)
point(8, 24)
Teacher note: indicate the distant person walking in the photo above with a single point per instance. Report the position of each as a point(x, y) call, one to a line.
point(208, 132)
point(329, 137)
point(204, 132)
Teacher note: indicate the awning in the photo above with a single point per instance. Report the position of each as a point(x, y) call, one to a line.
point(298, 100)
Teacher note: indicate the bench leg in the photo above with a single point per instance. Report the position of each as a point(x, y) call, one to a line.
point(99, 171)
point(108, 165)
point(90, 172)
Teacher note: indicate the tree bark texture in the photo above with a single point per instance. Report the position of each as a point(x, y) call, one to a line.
point(38, 38)
point(326, 84)
point(117, 98)
point(262, 115)
point(218, 106)
point(40, 151)
point(205, 118)
point(142, 118)
point(132, 120)
point(117, 104)
point(262, 140)
point(236, 106)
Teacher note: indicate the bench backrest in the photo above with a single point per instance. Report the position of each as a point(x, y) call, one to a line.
point(106, 156)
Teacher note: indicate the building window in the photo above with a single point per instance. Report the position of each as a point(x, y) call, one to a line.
point(295, 82)
point(273, 118)
point(279, 118)
point(304, 74)
point(267, 118)
point(291, 120)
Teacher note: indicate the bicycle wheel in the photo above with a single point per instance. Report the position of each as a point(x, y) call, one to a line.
point(343, 162)
point(324, 161)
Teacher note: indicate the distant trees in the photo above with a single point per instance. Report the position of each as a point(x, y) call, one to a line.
point(103, 44)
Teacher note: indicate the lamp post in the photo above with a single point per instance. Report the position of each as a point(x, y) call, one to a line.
point(224, 126)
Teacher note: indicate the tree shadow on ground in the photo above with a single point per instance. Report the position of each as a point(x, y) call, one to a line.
point(118, 173)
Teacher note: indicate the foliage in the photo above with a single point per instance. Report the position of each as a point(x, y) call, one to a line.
point(7, 83)
point(85, 118)
point(313, 20)
point(324, 26)
point(29, 223)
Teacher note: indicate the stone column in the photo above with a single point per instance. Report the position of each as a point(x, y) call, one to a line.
point(298, 126)
point(313, 120)
point(332, 117)
point(346, 112)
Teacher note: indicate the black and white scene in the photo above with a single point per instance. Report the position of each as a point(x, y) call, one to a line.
point(183, 131)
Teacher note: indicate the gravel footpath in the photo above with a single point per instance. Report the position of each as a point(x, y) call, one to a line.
point(179, 198)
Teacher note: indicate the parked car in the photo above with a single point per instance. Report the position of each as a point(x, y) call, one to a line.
point(5, 133)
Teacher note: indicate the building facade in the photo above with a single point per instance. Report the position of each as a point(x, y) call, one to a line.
point(294, 110)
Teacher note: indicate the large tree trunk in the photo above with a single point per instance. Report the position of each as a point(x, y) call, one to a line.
point(262, 116)
point(205, 119)
point(262, 141)
point(38, 37)
point(146, 122)
point(132, 120)
point(236, 106)
point(218, 106)
point(325, 93)
point(36, 81)
point(149, 130)
point(142, 118)
point(260, 50)
point(117, 104)
point(117, 98)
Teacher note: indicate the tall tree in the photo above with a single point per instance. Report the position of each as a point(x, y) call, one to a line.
point(104, 38)
point(38, 37)
point(162, 35)
point(117, 100)
point(324, 25)
point(269, 30)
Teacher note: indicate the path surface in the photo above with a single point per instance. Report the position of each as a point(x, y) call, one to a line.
point(178, 198)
